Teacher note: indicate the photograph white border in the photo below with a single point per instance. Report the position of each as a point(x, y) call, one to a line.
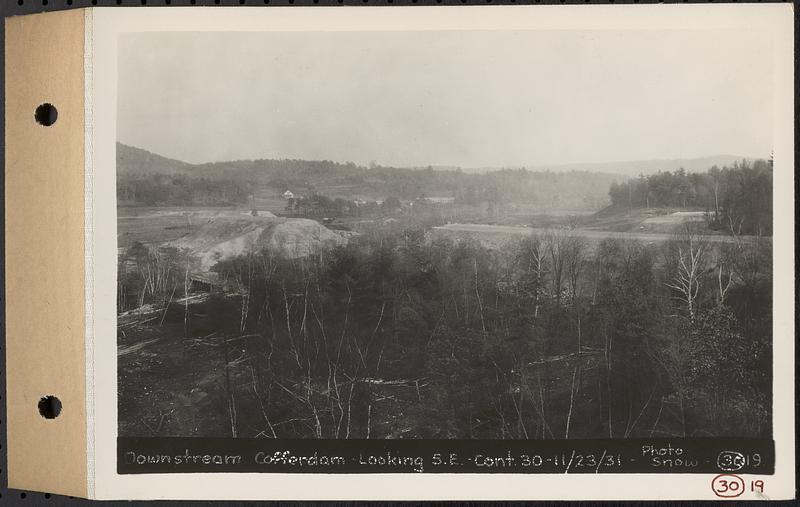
point(105, 24)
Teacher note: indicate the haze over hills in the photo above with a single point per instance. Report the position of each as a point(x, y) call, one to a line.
point(147, 178)
point(622, 168)
point(132, 160)
point(637, 167)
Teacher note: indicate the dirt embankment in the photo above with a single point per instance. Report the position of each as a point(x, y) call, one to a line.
point(225, 237)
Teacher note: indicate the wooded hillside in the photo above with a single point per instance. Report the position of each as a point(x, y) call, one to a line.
point(147, 179)
point(738, 197)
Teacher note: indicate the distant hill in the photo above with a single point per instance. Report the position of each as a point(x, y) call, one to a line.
point(132, 161)
point(145, 177)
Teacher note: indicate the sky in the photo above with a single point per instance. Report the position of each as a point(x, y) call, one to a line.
point(447, 98)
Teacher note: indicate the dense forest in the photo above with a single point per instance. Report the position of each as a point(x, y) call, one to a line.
point(400, 335)
point(582, 190)
point(738, 197)
point(182, 189)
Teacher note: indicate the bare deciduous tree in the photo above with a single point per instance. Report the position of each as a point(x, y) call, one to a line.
point(688, 268)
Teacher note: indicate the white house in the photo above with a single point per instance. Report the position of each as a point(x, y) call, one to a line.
point(288, 195)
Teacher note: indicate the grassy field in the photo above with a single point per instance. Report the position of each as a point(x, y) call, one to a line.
point(153, 225)
point(150, 228)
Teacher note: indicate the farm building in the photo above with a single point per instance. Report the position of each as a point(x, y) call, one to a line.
point(440, 200)
point(435, 201)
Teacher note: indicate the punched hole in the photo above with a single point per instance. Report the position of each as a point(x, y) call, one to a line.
point(46, 114)
point(49, 407)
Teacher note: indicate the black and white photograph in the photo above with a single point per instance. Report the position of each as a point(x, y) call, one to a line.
point(445, 234)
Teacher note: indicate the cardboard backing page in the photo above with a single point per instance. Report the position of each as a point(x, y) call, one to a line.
point(44, 209)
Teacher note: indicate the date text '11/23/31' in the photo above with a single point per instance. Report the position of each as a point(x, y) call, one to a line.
point(165, 455)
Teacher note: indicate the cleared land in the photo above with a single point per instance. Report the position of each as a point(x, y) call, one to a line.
point(155, 225)
point(482, 229)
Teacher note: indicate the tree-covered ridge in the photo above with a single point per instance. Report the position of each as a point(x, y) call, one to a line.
point(182, 189)
point(229, 186)
point(738, 197)
point(144, 178)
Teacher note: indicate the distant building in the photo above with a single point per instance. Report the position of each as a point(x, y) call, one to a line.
point(288, 195)
point(441, 200)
